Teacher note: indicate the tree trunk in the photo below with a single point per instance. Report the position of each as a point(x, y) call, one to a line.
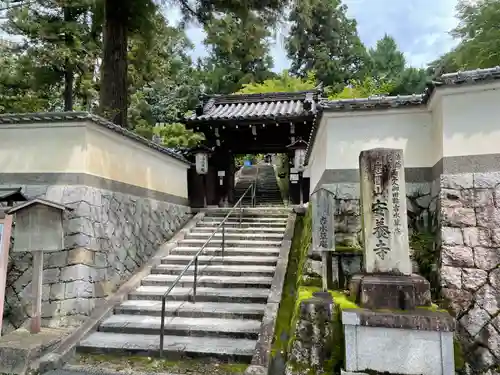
point(113, 96)
point(68, 86)
point(68, 68)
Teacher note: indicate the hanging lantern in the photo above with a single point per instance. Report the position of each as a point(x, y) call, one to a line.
point(299, 147)
point(201, 154)
point(201, 162)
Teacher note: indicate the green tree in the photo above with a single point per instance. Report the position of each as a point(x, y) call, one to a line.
point(363, 88)
point(176, 135)
point(16, 93)
point(446, 63)
point(283, 83)
point(388, 62)
point(59, 45)
point(239, 52)
point(323, 39)
point(163, 84)
point(410, 81)
point(479, 34)
point(123, 16)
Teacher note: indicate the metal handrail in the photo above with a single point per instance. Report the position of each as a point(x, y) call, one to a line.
point(195, 259)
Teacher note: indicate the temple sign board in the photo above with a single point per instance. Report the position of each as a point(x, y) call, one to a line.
point(39, 228)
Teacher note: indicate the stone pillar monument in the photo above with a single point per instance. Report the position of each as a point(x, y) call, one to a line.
point(388, 281)
point(379, 336)
point(383, 202)
point(323, 232)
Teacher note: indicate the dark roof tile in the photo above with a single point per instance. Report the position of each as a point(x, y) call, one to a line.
point(469, 77)
point(373, 102)
point(257, 106)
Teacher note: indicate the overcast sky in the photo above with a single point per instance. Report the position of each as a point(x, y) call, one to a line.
point(420, 28)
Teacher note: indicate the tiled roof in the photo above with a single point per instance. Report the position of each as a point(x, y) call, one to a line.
point(469, 76)
point(373, 102)
point(256, 106)
point(18, 118)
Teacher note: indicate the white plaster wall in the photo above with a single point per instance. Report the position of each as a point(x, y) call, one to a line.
point(317, 159)
point(471, 120)
point(349, 133)
point(113, 156)
point(42, 148)
point(437, 131)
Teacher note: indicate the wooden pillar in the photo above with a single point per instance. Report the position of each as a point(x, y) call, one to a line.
point(231, 170)
point(196, 188)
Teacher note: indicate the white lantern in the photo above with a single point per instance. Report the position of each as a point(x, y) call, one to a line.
point(300, 157)
point(201, 162)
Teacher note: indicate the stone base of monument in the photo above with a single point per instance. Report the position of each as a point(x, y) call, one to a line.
point(410, 343)
point(389, 291)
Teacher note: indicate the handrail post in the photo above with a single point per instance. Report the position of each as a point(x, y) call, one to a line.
point(241, 211)
point(162, 326)
point(223, 238)
point(195, 278)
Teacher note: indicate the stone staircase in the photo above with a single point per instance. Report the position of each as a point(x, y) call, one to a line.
point(267, 193)
point(232, 293)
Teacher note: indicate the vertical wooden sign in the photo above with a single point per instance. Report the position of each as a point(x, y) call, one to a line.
point(323, 231)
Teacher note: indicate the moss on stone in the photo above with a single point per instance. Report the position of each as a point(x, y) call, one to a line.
point(432, 307)
point(348, 249)
point(296, 260)
point(459, 356)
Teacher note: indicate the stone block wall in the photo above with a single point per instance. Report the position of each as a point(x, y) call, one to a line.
point(470, 263)
point(421, 205)
point(109, 235)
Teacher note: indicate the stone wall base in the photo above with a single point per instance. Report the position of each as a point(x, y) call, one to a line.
point(109, 235)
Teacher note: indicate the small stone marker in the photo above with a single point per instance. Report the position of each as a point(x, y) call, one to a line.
point(383, 201)
point(323, 231)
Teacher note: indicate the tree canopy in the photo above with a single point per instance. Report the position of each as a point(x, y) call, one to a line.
point(125, 60)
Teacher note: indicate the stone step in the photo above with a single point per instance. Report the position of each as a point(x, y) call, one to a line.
point(180, 326)
point(203, 294)
point(194, 234)
point(195, 242)
point(217, 347)
point(261, 229)
point(213, 222)
point(215, 270)
point(193, 310)
point(246, 218)
point(210, 281)
point(227, 259)
point(228, 251)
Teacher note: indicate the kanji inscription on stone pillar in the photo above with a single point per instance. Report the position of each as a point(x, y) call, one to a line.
point(383, 205)
point(323, 231)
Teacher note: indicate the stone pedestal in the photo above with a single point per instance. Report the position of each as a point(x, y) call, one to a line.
point(407, 343)
point(312, 344)
point(387, 291)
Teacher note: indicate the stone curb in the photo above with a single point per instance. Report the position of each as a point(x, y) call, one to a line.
point(66, 348)
point(261, 358)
